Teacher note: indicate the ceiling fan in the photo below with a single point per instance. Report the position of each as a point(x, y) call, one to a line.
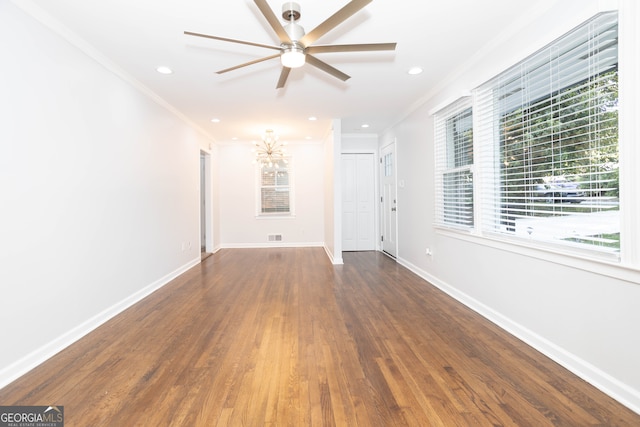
point(296, 48)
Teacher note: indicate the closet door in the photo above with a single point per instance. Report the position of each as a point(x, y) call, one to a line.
point(358, 204)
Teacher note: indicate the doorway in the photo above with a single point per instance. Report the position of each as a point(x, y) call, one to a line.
point(206, 243)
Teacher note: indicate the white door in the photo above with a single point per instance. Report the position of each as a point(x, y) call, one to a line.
point(388, 200)
point(358, 202)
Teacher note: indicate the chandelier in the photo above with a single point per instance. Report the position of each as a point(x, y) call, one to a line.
point(270, 151)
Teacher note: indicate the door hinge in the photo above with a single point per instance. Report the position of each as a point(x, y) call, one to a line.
point(382, 238)
point(380, 199)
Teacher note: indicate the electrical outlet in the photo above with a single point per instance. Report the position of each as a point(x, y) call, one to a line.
point(428, 252)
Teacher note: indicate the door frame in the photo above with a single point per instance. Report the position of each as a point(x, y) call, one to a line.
point(394, 147)
point(206, 202)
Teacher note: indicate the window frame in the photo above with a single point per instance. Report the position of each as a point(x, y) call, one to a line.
point(450, 161)
point(259, 187)
point(490, 170)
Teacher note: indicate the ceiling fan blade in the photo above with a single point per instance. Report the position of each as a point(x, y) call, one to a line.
point(351, 47)
point(273, 21)
point(255, 61)
point(312, 60)
point(283, 77)
point(189, 33)
point(333, 21)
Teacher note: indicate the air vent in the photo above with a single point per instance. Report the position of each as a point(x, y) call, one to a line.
point(274, 237)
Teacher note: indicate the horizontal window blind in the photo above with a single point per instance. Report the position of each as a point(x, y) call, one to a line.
point(454, 165)
point(548, 136)
point(275, 188)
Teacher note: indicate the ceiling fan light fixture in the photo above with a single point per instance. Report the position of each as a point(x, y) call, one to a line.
point(292, 57)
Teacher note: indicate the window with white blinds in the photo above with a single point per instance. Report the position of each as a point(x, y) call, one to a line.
point(547, 132)
point(454, 165)
point(275, 188)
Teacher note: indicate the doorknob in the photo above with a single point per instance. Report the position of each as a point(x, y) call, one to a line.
point(393, 209)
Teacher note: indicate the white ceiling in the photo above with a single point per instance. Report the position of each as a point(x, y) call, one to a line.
point(137, 36)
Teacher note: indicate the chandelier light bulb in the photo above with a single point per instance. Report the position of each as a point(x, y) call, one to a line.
point(270, 151)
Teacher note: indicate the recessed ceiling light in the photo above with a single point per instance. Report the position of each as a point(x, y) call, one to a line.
point(215, 120)
point(414, 70)
point(235, 138)
point(307, 137)
point(312, 118)
point(164, 70)
point(364, 126)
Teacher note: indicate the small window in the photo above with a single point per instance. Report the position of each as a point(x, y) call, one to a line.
point(275, 188)
point(388, 164)
point(454, 165)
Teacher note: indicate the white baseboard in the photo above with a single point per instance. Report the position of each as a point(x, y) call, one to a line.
point(613, 387)
point(35, 358)
point(334, 260)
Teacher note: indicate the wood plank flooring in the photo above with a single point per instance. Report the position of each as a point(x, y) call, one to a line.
point(280, 337)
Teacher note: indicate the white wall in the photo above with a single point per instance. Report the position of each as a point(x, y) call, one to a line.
point(238, 198)
point(355, 143)
point(215, 199)
point(98, 188)
point(333, 193)
point(583, 314)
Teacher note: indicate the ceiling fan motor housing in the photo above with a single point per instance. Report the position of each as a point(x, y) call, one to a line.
point(295, 31)
point(291, 11)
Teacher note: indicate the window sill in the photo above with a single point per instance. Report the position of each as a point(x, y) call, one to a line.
point(599, 263)
point(275, 216)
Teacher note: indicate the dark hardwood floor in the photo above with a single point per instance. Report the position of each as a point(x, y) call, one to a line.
point(280, 337)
